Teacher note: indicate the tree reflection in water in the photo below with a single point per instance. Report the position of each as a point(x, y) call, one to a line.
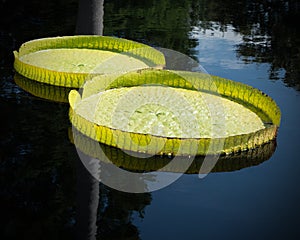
point(269, 29)
point(105, 213)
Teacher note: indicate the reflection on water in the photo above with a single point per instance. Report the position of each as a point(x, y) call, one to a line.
point(41, 90)
point(103, 212)
point(115, 220)
point(268, 29)
point(40, 187)
point(143, 163)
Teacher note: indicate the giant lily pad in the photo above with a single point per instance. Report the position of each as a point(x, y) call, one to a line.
point(174, 112)
point(151, 115)
point(70, 61)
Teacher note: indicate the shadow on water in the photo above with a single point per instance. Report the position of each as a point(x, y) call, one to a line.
point(145, 163)
point(45, 192)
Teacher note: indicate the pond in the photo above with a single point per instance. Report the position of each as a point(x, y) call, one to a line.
point(45, 191)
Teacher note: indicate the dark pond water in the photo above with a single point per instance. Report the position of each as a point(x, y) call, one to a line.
point(46, 193)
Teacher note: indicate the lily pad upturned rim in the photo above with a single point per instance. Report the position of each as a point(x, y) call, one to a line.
point(241, 93)
point(147, 54)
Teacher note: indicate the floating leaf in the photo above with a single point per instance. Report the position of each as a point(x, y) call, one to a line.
point(174, 112)
point(69, 61)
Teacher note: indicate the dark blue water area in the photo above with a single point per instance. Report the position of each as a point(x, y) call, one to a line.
point(260, 202)
point(46, 193)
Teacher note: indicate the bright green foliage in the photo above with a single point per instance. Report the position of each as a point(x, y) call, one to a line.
point(169, 112)
point(83, 61)
point(49, 60)
point(147, 142)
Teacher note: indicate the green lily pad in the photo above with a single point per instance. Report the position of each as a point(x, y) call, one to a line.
point(167, 111)
point(70, 61)
point(174, 112)
point(83, 61)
